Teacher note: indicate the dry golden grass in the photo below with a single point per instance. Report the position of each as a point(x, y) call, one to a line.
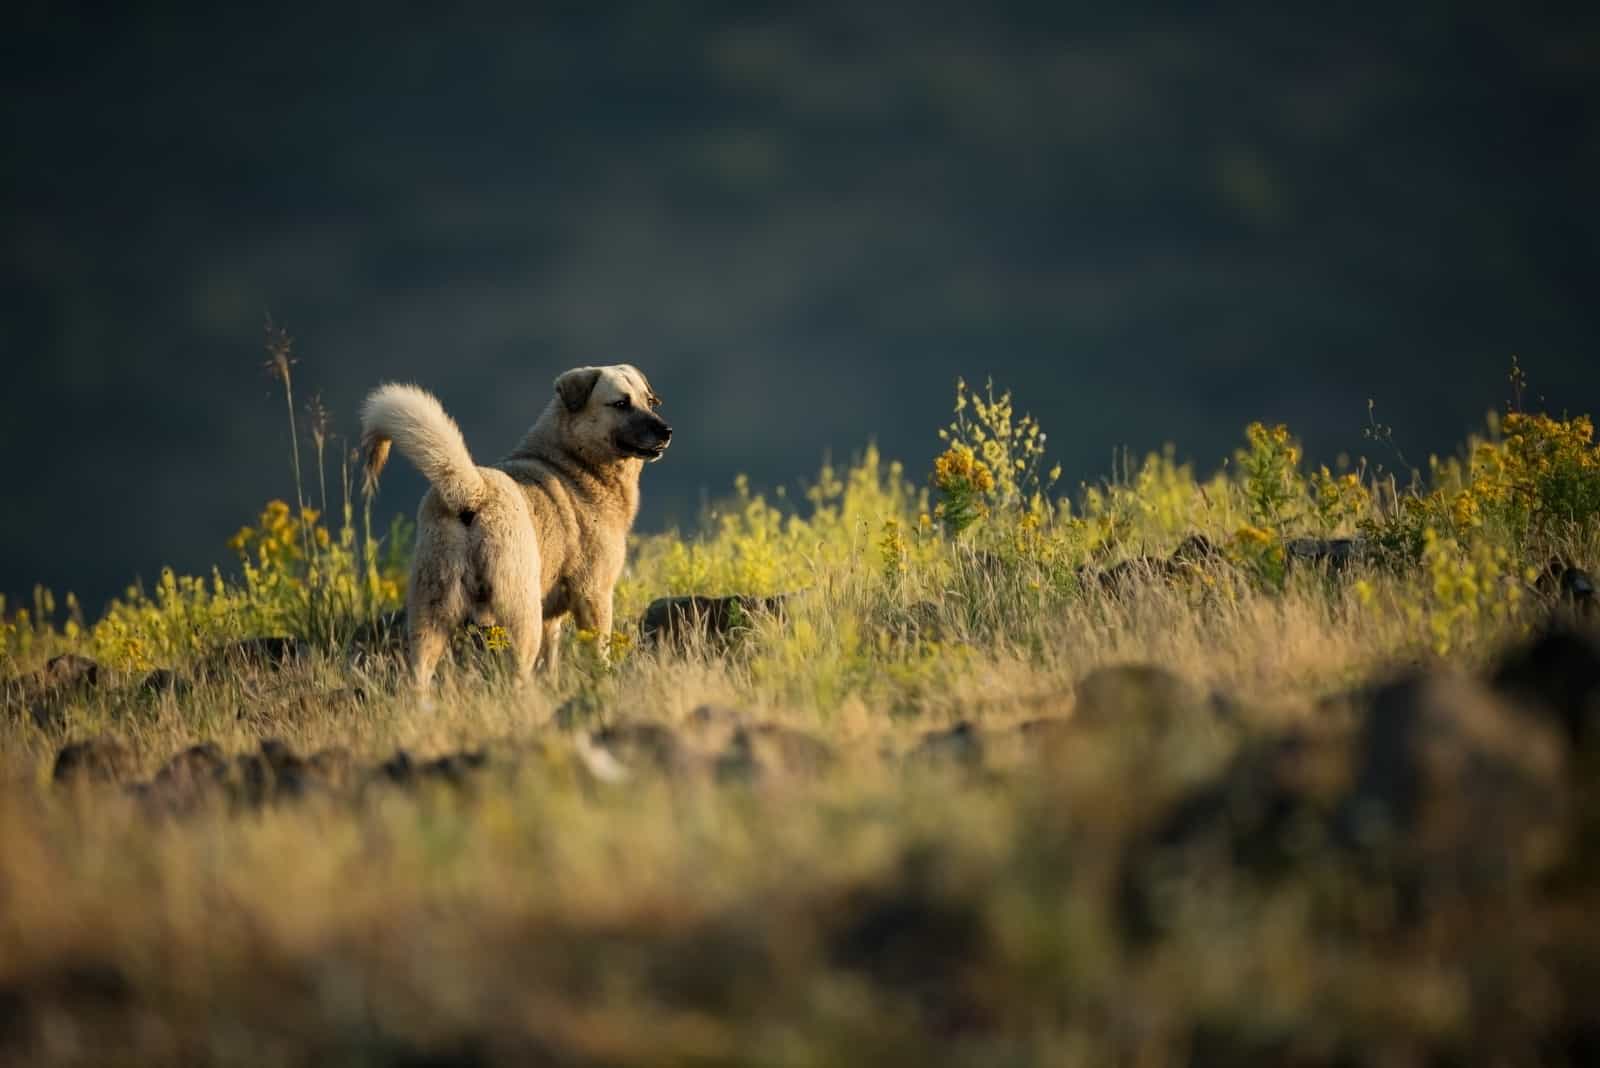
point(906, 821)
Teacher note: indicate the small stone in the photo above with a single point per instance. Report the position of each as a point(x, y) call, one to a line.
point(1332, 554)
point(70, 671)
point(1570, 588)
point(1137, 697)
point(1125, 575)
point(682, 623)
point(960, 746)
point(96, 760)
point(331, 768)
point(188, 780)
point(577, 711)
point(454, 768)
point(716, 716)
point(1045, 731)
point(1195, 549)
point(642, 745)
point(272, 652)
point(398, 769)
point(771, 750)
point(164, 681)
point(384, 635)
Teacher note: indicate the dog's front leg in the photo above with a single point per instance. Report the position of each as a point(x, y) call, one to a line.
point(593, 613)
point(550, 655)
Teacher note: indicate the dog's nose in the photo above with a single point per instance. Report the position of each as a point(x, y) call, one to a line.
point(665, 431)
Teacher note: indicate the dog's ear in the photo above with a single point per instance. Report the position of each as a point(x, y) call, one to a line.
point(574, 386)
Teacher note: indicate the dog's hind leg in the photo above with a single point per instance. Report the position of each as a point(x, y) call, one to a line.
point(435, 603)
point(428, 643)
point(517, 609)
point(506, 566)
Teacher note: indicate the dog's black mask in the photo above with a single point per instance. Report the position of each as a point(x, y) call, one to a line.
point(645, 435)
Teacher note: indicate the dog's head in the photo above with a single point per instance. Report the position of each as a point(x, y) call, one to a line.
point(609, 413)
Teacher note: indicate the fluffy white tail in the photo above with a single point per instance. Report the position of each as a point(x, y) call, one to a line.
point(415, 421)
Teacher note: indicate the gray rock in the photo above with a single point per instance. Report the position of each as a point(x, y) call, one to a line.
point(716, 716)
point(69, 671)
point(451, 769)
point(1126, 575)
point(192, 778)
point(681, 623)
point(577, 711)
point(1044, 731)
point(960, 746)
point(1447, 777)
point(1557, 675)
point(1194, 553)
point(920, 621)
point(333, 768)
point(164, 681)
point(386, 634)
point(1331, 554)
point(1268, 811)
point(643, 745)
point(272, 653)
point(771, 750)
point(1569, 588)
point(95, 760)
point(45, 693)
point(1141, 698)
point(1195, 549)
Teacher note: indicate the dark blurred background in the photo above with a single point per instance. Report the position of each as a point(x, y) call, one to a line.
point(802, 224)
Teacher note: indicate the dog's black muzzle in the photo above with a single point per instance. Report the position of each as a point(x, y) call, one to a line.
point(646, 437)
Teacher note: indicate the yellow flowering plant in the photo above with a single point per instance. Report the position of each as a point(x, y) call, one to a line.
point(1466, 587)
point(1532, 479)
point(993, 460)
point(1542, 471)
point(1338, 501)
point(964, 483)
point(1269, 468)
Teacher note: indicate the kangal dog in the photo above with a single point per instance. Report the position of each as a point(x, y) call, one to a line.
point(539, 534)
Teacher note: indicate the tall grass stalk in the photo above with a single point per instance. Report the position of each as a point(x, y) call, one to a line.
point(279, 359)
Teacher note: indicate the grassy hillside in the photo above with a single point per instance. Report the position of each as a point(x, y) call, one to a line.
point(1272, 766)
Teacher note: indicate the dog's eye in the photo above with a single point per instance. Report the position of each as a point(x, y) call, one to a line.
point(622, 405)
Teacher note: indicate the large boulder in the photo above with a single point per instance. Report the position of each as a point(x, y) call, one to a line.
point(1440, 794)
point(1448, 780)
point(1556, 675)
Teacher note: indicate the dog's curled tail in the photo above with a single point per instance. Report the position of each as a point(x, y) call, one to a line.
point(415, 421)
